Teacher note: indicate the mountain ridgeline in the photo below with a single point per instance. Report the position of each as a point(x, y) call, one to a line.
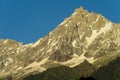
point(85, 71)
point(64, 73)
point(78, 47)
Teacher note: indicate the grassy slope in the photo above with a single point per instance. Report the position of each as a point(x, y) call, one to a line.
point(109, 72)
point(64, 73)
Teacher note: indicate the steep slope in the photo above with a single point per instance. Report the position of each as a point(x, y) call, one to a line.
point(64, 73)
point(82, 36)
point(110, 71)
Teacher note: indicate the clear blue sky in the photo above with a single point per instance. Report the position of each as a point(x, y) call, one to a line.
point(28, 20)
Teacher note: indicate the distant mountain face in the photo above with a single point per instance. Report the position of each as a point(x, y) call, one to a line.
point(82, 36)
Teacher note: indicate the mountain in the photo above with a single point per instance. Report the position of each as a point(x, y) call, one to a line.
point(110, 71)
point(64, 73)
point(84, 36)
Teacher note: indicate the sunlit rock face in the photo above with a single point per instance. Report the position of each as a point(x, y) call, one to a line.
point(82, 36)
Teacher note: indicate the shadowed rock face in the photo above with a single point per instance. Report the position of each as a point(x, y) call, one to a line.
point(82, 36)
point(110, 71)
point(64, 73)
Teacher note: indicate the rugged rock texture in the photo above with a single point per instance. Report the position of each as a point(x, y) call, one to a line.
point(82, 36)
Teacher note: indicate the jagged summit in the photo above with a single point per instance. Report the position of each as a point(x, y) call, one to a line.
point(80, 11)
point(83, 17)
point(82, 36)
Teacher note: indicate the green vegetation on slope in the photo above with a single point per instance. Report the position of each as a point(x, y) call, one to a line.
point(109, 72)
point(64, 73)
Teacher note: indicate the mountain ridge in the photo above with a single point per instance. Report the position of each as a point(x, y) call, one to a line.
point(82, 36)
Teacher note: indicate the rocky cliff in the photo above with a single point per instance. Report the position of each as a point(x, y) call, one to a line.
point(82, 36)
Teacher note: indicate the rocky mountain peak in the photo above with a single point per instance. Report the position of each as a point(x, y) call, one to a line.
point(82, 36)
point(80, 11)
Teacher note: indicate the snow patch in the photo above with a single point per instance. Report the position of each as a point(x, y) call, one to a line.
point(96, 19)
point(19, 68)
point(74, 61)
point(10, 59)
point(66, 25)
point(74, 43)
point(75, 55)
point(88, 14)
point(10, 49)
point(3, 51)
point(107, 27)
point(91, 60)
point(36, 43)
point(49, 50)
point(5, 41)
point(74, 13)
point(35, 64)
point(92, 38)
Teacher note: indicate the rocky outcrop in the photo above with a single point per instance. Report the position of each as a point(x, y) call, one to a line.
point(82, 36)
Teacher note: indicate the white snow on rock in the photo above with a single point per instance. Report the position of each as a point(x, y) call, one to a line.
point(5, 41)
point(96, 19)
point(35, 64)
point(74, 43)
point(88, 14)
point(19, 68)
point(65, 20)
point(74, 13)
point(66, 25)
point(76, 60)
point(90, 39)
point(36, 43)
